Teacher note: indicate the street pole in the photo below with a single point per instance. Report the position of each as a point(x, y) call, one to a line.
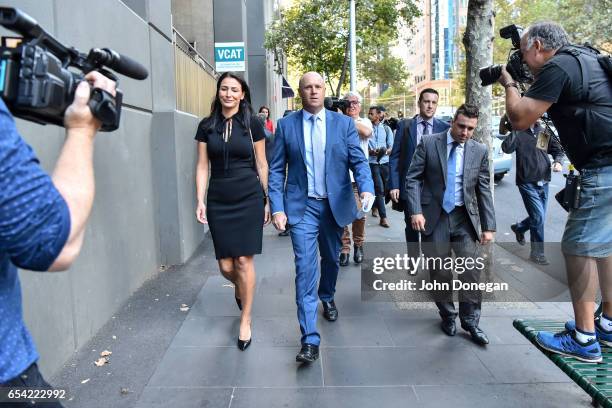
point(352, 44)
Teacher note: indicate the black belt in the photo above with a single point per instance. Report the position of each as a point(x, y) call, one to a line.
point(318, 198)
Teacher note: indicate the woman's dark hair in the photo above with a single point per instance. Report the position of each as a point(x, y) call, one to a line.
point(264, 107)
point(245, 111)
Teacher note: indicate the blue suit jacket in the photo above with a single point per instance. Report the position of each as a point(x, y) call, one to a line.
point(399, 160)
point(342, 152)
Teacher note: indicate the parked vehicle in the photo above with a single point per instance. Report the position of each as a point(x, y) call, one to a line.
point(502, 162)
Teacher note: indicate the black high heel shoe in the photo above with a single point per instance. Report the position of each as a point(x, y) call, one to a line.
point(238, 302)
point(244, 344)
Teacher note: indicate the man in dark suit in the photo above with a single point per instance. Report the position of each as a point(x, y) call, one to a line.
point(451, 208)
point(407, 137)
point(317, 147)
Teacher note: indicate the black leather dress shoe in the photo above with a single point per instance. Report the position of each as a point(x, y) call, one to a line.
point(477, 335)
point(358, 255)
point(344, 259)
point(330, 312)
point(244, 344)
point(520, 236)
point(448, 326)
point(308, 353)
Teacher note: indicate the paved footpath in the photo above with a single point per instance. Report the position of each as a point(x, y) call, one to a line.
point(378, 354)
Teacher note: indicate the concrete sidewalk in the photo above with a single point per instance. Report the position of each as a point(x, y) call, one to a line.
point(378, 354)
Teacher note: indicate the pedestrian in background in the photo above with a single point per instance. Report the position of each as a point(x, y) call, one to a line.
point(364, 130)
point(407, 137)
point(269, 124)
point(233, 204)
point(532, 178)
point(379, 148)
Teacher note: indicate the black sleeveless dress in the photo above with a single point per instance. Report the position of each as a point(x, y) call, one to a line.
point(234, 203)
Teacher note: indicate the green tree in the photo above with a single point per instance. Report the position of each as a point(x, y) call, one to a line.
point(314, 36)
point(587, 21)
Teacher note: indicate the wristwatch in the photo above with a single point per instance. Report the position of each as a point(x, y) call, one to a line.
point(511, 84)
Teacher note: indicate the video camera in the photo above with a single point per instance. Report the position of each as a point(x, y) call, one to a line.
point(515, 66)
point(36, 84)
point(334, 103)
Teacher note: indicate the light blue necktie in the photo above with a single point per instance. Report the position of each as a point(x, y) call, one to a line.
point(451, 172)
point(318, 158)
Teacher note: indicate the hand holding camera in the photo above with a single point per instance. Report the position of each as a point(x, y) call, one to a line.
point(79, 115)
point(37, 84)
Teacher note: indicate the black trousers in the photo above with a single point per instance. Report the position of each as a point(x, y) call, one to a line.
point(380, 175)
point(455, 232)
point(30, 378)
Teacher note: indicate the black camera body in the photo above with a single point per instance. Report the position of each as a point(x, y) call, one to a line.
point(334, 103)
point(515, 66)
point(35, 80)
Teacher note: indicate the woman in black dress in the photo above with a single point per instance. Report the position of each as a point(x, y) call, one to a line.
point(235, 203)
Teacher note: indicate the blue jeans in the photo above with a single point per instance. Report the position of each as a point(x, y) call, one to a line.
point(535, 198)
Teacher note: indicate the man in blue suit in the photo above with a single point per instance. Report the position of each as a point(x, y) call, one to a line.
point(407, 137)
point(318, 147)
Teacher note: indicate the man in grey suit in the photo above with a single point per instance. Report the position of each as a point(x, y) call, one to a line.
point(451, 208)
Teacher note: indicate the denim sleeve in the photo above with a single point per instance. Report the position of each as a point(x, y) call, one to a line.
point(34, 218)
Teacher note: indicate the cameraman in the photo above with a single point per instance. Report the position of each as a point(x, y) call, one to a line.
point(42, 222)
point(379, 148)
point(573, 87)
point(364, 130)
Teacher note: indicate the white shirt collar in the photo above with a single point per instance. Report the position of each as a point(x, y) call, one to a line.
point(449, 139)
point(320, 115)
point(420, 119)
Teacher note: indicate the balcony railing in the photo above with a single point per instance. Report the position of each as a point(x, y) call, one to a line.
point(195, 78)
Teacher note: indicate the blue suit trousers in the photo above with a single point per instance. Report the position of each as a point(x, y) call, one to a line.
point(316, 236)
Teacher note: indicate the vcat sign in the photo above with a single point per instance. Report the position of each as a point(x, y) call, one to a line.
point(229, 56)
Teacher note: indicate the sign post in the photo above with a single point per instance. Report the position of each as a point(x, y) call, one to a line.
point(229, 56)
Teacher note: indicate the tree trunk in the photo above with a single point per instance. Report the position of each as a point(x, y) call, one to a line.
point(478, 42)
point(344, 68)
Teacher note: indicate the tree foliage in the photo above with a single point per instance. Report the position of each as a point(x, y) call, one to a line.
point(587, 21)
point(314, 36)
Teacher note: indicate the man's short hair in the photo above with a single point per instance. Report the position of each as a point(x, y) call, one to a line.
point(551, 35)
point(354, 94)
point(427, 90)
point(376, 108)
point(467, 110)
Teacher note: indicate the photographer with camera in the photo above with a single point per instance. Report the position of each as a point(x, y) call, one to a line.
point(379, 148)
point(42, 221)
point(573, 85)
point(364, 130)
